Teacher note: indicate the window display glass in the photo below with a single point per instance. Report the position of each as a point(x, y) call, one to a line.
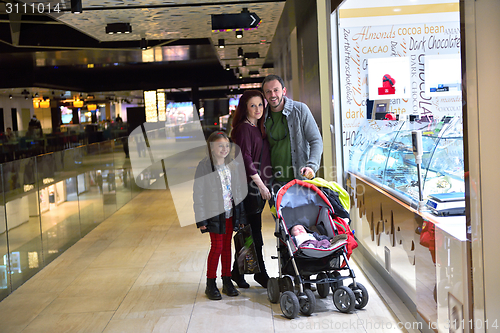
point(382, 153)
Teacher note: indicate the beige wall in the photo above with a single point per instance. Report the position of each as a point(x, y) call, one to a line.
point(15, 103)
point(301, 55)
point(45, 117)
point(482, 24)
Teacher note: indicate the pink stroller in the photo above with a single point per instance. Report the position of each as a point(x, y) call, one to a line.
point(299, 202)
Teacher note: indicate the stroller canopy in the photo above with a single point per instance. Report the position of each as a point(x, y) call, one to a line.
point(298, 202)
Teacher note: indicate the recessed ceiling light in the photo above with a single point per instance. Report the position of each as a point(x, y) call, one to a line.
point(118, 28)
point(76, 6)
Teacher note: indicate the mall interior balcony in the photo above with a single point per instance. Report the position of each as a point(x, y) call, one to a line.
point(16, 145)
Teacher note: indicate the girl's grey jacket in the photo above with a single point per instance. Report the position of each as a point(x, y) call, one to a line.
point(207, 196)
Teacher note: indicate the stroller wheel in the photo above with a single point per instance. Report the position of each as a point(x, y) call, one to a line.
point(289, 304)
point(323, 288)
point(273, 290)
point(360, 294)
point(307, 302)
point(286, 284)
point(344, 299)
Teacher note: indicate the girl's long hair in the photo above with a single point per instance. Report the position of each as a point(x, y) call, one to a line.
point(214, 137)
point(241, 112)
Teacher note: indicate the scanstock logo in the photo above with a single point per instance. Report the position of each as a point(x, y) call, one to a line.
point(165, 156)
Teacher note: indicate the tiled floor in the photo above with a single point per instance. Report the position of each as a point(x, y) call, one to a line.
point(139, 271)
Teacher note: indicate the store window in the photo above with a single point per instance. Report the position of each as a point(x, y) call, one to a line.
point(400, 58)
point(400, 110)
point(400, 63)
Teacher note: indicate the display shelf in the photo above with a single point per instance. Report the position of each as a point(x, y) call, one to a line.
point(382, 153)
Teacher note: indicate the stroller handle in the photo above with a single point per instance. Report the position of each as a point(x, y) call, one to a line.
point(271, 189)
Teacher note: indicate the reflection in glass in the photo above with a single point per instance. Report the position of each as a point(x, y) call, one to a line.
point(122, 174)
point(4, 276)
point(90, 193)
point(59, 216)
point(109, 175)
point(23, 207)
point(54, 200)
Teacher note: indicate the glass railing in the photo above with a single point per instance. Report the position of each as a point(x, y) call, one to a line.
point(22, 144)
point(51, 201)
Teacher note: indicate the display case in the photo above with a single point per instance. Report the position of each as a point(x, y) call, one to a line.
point(382, 153)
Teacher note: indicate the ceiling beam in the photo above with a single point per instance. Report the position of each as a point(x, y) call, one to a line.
point(239, 3)
point(29, 22)
point(15, 27)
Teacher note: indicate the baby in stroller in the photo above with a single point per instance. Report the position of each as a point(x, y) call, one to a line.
point(302, 238)
point(312, 240)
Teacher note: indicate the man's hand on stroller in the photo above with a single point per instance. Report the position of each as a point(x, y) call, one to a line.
point(307, 172)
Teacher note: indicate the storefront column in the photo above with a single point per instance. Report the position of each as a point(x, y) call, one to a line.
point(325, 86)
point(108, 110)
point(482, 47)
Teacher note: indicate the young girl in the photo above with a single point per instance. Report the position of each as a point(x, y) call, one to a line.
point(215, 186)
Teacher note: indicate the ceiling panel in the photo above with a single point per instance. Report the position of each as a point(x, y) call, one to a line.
point(177, 32)
point(182, 20)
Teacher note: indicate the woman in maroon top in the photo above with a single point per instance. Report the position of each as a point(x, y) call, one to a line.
point(249, 134)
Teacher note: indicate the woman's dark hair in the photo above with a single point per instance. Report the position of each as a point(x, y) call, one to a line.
point(214, 137)
point(241, 112)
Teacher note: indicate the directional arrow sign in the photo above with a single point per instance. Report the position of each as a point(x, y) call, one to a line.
point(239, 21)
